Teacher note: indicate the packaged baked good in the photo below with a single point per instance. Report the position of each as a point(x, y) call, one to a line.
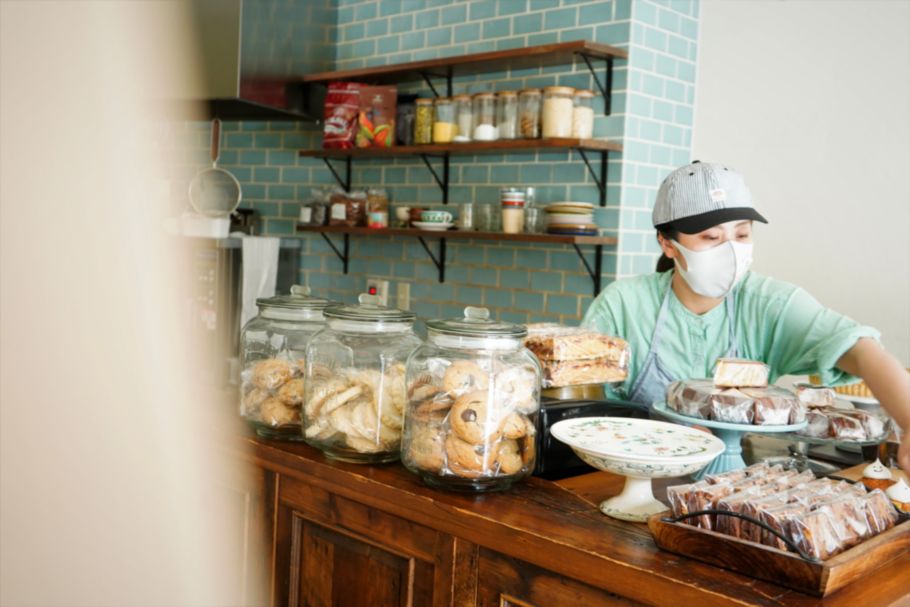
point(342, 106)
point(732, 525)
point(376, 117)
point(880, 514)
point(814, 534)
point(678, 496)
point(581, 372)
point(732, 406)
point(691, 397)
point(705, 498)
point(818, 425)
point(571, 356)
point(348, 209)
point(779, 518)
point(815, 396)
point(740, 373)
point(759, 406)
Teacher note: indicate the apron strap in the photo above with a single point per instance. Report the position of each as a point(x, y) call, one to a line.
point(661, 315)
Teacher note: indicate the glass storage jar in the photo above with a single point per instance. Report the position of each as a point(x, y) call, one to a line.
point(423, 121)
point(583, 115)
point(484, 117)
point(464, 117)
point(556, 114)
point(444, 127)
point(354, 393)
point(529, 113)
point(507, 115)
point(272, 356)
point(473, 402)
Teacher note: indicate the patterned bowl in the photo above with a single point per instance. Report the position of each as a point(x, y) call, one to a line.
point(639, 449)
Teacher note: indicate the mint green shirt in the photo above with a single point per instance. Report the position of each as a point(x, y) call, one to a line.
point(776, 322)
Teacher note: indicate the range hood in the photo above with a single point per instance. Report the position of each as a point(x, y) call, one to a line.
point(254, 53)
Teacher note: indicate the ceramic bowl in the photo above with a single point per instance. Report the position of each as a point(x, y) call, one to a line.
point(436, 217)
point(639, 449)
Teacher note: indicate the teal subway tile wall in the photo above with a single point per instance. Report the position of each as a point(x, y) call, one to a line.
point(652, 115)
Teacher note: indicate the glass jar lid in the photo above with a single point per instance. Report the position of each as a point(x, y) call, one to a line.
point(507, 94)
point(298, 305)
point(524, 92)
point(369, 310)
point(423, 101)
point(477, 323)
point(462, 97)
point(442, 100)
point(559, 90)
point(484, 96)
point(584, 93)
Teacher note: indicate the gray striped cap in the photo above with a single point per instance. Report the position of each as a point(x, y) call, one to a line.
point(702, 195)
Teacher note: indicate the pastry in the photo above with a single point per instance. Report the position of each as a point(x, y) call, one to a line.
point(815, 396)
point(464, 376)
point(271, 373)
point(276, 413)
point(880, 514)
point(291, 393)
point(516, 388)
point(877, 476)
point(740, 373)
point(426, 449)
point(580, 372)
point(469, 419)
point(508, 456)
point(554, 342)
point(899, 494)
point(513, 426)
point(465, 459)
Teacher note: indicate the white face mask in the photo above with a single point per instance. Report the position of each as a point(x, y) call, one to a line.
point(715, 271)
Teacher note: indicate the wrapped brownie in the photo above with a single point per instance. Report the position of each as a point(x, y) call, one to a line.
point(740, 373)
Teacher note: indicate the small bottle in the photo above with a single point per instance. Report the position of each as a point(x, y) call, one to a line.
point(444, 123)
point(556, 115)
point(484, 117)
point(507, 115)
point(583, 115)
point(464, 118)
point(423, 121)
point(513, 210)
point(529, 113)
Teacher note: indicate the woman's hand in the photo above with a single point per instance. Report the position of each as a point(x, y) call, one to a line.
point(888, 381)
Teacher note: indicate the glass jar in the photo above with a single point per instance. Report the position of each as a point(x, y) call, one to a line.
point(583, 115)
point(464, 117)
point(529, 113)
point(444, 128)
point(272, 357)
point(556, 113)
point(484, 105)
point(354, 393)
point(507, 115)
point(473, 402)
point(513, 210)
point(423, 121)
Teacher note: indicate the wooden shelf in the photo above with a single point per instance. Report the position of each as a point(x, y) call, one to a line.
point(467, 149)
point(477, 63)
point(439, 260)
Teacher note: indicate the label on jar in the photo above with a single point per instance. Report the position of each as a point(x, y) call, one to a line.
point(306, 214)
point(339, 211)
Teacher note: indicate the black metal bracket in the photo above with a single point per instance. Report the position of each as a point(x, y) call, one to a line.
point(596, 272)
point(344, 256)
point(427, 77)
point(600, 176)
point(605, 87)
point(439, 262)
point(346, 181)
point(443, 180)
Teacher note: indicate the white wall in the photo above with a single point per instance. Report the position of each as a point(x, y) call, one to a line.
point(810, 100)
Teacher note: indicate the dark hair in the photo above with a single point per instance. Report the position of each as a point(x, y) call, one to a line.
point(665, 263)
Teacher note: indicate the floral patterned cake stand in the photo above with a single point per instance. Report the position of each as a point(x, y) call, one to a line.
point(639, 449)
point(731, 434)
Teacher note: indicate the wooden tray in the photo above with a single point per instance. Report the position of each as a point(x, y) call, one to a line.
point(819, 578)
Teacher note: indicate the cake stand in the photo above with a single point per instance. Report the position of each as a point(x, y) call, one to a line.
point(639, 449)
point(730, 434)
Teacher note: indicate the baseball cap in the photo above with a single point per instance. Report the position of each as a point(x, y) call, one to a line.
point(702, 195)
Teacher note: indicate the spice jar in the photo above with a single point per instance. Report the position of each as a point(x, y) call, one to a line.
point(423, 121)
point(272, 356)
point(444, 128)
point(473, 402)
point(583, 115)
point(484, 105)
point(513, 211)
point(354, 393)
point(507, 115)
point(556, 115)
point(464, 117)
point(529, 113)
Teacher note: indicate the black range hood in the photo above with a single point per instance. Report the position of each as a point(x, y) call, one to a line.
point(254, 53)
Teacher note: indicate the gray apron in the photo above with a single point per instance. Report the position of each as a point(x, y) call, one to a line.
point(651, 385)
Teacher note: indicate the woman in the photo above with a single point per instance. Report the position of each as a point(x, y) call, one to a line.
point(703, 304)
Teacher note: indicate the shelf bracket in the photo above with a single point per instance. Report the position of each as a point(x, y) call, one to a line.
point(343, 256)
point(448, 77)
point(600, 175)
point(439, 262)
point(443, 180)
point(605, 87)
point(346, 181)
point(596, 272)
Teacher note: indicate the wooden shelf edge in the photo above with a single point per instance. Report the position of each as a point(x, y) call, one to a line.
point(462, 235)
point(469, 149)
point(488, 58)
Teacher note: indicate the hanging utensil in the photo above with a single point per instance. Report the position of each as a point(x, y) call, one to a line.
point(215, 192)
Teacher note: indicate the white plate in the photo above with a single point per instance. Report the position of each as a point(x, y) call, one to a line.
point(432, 226)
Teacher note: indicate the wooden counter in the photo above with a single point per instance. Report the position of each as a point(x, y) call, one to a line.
point(347, 534)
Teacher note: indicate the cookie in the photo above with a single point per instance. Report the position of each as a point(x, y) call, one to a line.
point(254, 399)
point(464, 376)
point(426, 449)
point(508, 456)
point(464, 459)
point(276, 413)
point(468, 419)
point(513, 426)
point(516, 387)
point(271, 373)
point(291, 393)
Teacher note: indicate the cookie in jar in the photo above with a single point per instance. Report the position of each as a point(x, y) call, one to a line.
point(354, 388)
point(473, 396)
point(273, 349)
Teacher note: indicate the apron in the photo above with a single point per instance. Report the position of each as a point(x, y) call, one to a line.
point(651, 385)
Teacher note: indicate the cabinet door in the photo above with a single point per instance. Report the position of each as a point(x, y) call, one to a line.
point(332, 551)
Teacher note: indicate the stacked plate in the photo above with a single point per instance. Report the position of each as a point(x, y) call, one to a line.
point(572, 218)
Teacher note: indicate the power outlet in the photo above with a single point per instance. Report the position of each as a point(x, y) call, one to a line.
point(380, 288)
point(403, 296)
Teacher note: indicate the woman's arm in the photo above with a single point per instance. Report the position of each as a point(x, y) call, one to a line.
point(888, 381)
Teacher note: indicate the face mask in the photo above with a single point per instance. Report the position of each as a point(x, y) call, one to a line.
point(715, 271)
